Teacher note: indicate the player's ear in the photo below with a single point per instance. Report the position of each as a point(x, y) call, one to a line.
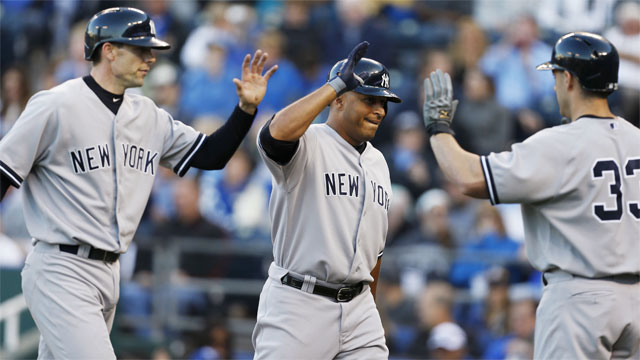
point(568, 79)
point(108, 51)
point(340, 102)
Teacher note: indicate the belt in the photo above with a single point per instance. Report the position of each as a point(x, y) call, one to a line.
point(627, 278)
point(341, 294)
point(94, 254)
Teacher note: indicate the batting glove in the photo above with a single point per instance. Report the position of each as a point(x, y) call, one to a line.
point(439, 106)
point(346, 80)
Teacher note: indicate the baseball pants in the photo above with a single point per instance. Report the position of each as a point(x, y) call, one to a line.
point(580, 318)
point(294, 324)
point(73, 302)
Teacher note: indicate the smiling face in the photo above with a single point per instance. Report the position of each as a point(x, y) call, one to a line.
point(131, 64)
point(359, 118)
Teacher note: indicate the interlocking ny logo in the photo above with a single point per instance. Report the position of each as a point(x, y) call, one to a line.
point(385, 80)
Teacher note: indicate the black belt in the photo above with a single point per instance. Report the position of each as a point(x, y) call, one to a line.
point(627, 278)
point(341, 294)
point(94, 254)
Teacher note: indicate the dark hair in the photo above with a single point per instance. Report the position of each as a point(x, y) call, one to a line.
point(95, 58)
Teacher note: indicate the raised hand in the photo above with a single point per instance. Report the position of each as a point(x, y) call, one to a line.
point(253, 85)
point(439, 106)
point(346, 80)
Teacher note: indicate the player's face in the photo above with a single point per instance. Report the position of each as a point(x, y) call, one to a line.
point(131, 65)
point(362, 116)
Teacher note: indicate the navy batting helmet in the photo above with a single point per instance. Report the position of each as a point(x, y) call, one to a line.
point(123, 25)
point(374, 75)
point(590, 57)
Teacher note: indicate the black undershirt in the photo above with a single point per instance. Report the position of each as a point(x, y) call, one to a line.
point(282, 151)
point(110, 100)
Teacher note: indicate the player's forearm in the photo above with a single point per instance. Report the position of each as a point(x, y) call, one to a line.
point(459, 166)
point(290, 123)
point(218, 147)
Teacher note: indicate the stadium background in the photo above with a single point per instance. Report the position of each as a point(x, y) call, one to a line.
point(190, 284)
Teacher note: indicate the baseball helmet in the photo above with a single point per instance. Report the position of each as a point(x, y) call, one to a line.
point(123, 25)
point(374, 75)
point(590, 57)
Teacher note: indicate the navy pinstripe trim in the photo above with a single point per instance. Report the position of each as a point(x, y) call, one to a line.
point(380, 254)
point(488, 179)
point(185, 163)
point(16, 180)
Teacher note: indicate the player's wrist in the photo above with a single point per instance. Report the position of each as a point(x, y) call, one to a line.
point(439, 127)
point(338, 85)
point(248, 108)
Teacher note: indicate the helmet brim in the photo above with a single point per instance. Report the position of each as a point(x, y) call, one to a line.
point(549, 66)
point(150, 42)
point(377, 91)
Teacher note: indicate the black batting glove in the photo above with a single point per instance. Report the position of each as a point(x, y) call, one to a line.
point(346, 80)
point(439, 106)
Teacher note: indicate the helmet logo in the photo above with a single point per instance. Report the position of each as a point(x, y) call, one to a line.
point(152, 25)
point(385, 80)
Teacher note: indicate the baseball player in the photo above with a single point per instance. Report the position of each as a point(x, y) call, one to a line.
point(331, 194)
point(86, 154)
point(579, 186)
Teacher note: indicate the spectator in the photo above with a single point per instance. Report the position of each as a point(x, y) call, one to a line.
point(434, 310)
point(408, 162)
point(462, 213)
point(225, 23)
point(522, 319)
point(485, 318)
point(206, 91)
point(163, 87)
point(168, 27)
point(482, 125)
point(625, 36)
point(73, 64)
point(519, 87)
point(215, 342)
point(432, 211)
point(286, 85)
point(426, 249)
point(15, 94)
point(468, 47)
point(447, 341)
point(235, 199)
point(492, 246)
point(400, 213)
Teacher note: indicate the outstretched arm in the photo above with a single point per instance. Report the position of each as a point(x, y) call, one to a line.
point(459, 166)
point(290, 123)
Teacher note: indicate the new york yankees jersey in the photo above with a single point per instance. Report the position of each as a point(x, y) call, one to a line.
point(329, 207)
point(579, 185)
point(83, 167)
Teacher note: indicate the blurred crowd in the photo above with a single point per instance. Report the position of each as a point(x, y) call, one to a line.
point(455, 282)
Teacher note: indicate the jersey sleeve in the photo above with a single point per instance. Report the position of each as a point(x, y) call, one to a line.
point(28, 140)
point(532, 171)
point(289, 174)
point(181, 142)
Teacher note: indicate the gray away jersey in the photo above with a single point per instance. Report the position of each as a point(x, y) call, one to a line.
point(88, 173)
point(579, 185)
point(329, 207)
